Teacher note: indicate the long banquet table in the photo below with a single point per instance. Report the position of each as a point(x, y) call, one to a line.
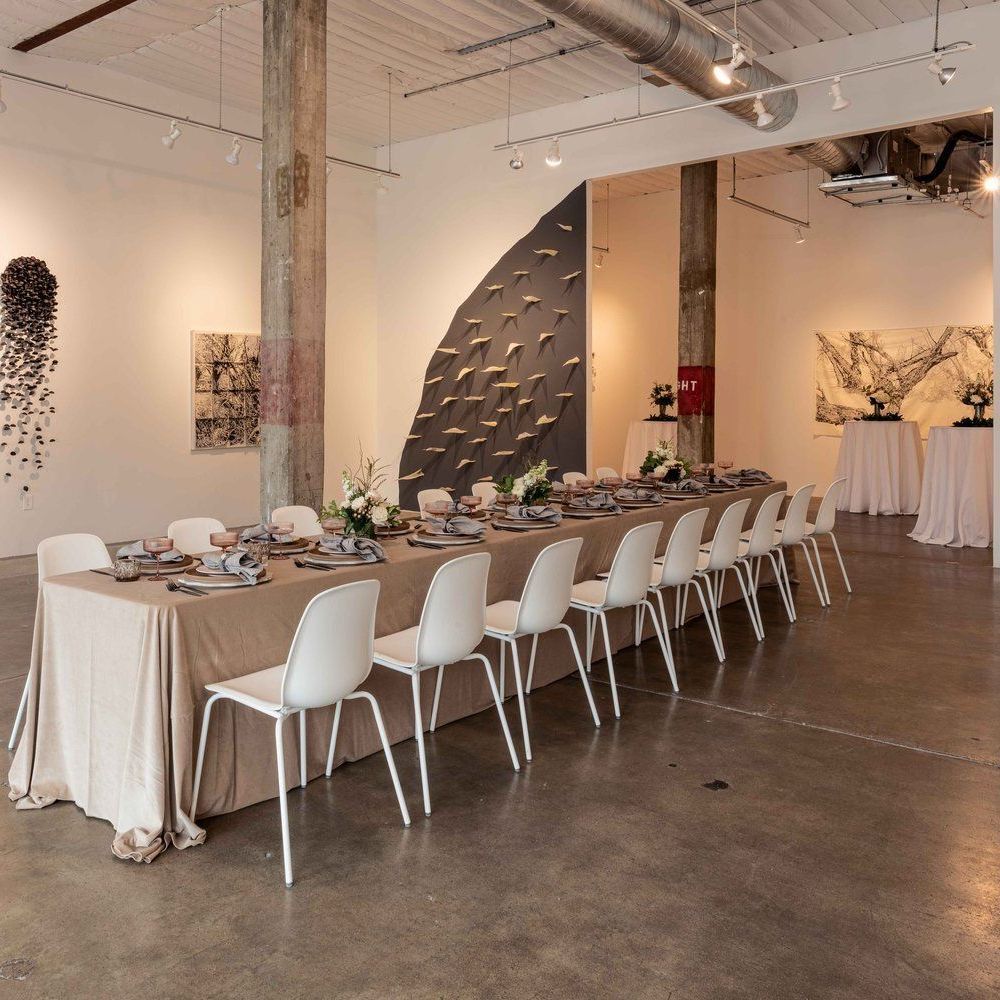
point(118, 673)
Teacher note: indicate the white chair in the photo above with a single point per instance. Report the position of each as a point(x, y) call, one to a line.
point(190, 534)
point(605, 472)
point(424, 497)
point(330, 657)
point(488, 492)
point(758, 545)
point(570, 478)
point(304, 520)
point(452, 625)
point(791, 531)
point(624, 587)
point(57, 555)
point(542, 608)
point(826, 518)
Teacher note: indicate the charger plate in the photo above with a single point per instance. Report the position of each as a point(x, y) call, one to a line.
point(227, 582)
point(522, 523)
point(148, 567)
point(585, 512)
point(442, 540)
point(323, 558)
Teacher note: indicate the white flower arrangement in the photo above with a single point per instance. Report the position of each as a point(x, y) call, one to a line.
point(364, 507)
point(531, 487)
point(663, 462)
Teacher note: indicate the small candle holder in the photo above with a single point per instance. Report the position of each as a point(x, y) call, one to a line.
point(259, 550)
point(127, 570)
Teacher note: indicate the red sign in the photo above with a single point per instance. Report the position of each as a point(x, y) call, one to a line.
point(696, 390)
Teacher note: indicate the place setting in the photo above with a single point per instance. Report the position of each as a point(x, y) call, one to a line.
point(448, 523)
point(523, 501)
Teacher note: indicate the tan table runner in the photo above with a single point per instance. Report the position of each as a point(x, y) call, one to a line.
point(118, 673)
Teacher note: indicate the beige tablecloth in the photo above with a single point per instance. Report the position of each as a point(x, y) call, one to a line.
point(643, 437)
point(956, 504)
point(118, 672)
point(883, 461)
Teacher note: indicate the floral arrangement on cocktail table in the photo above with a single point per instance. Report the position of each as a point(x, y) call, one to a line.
point(532, 487)
point(880, 398)
point(364, 507)
point(978, 393)
point(662, 395)
point(663, 463)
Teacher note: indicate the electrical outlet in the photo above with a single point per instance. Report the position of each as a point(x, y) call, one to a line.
point(27, 501)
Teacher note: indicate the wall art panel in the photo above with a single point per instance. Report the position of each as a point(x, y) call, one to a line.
point(225, 390)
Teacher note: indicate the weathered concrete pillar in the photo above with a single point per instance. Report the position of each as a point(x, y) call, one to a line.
point(696, 328)
point(293, 266)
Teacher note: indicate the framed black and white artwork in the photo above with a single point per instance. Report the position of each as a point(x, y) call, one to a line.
point(225, 390)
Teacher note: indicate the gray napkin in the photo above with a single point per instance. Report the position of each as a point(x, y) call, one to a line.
point(136, 551)
point(456, 525)
point(237, 562)
point(727, 481)
point(539, 512)
point(757, 474)
point(367, 549)
point(637, 493)
point(259, 533)
point(595, 501)
point(688, 486)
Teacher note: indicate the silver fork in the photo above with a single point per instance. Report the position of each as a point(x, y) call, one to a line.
point(173, 585)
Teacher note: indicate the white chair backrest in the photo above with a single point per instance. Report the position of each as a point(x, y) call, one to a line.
point(606, 472)
point(826, 516)
point(726, 541)
point(190, 534)
point(762, 533)
point(70, 554)
point(569, 478)
point(424, 497)
point(331, 653)
point(795, 515)
point(453, 620)
point(547, 591)
point(628, 579)
point(681, 558)
point(304, 520)
point(488, 491)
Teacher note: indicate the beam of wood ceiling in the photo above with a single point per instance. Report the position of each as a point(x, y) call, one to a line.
point(175, 43)
point(71, 24)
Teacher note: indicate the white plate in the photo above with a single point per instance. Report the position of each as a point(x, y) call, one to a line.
point(227, 582)
point(587, 512)
point(522, 523)
point(443, 540)
point(321, 558)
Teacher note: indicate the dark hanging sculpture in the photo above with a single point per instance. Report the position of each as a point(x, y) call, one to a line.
point(27, 359)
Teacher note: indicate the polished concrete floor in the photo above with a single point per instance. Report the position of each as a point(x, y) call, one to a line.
point(854, 850)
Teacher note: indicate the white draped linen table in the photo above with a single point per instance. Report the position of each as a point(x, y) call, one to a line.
point(956, 505)
point(643, 437)
point(882, 461)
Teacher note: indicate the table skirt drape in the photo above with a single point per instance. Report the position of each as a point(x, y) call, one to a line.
point(883, 463)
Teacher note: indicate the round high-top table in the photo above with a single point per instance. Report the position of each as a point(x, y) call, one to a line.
point(643, 437)
point(956, 504)
point(882, 461)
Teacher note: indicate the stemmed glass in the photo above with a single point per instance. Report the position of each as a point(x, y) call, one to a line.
point(156, 547)
point(275, 528)
point(224, 540)
point(724, 464)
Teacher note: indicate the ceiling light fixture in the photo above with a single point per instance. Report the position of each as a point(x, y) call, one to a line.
point(3, 103)
point(764, 117)
point(723, 72)
point(517, 160)
point(553, 157)
point(943, 73)
point(800, 237)
point(233, 159)
point(991, 183)
point(840, 102)
point(599, 260)
point(381, 187)
point(329, 169)
point(172, 136)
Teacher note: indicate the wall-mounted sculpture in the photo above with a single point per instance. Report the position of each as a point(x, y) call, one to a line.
point(27, 360)
point(506, 382)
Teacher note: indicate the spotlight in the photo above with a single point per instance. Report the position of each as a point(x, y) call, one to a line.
point(381, 187)
point(517, 160)
point(723, 73)
point(764, 117)
point(839, 101)
point(172, 136)
point(991, 183)
point(233, 159)
point(599, 259)
point(800, 237)
point(553, 157)
point(260, 162)
point(943, 73)
point(3, 104)
point(329, 168)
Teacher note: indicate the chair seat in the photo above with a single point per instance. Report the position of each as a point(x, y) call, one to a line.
point(591, 593)
point(260, 690)
point(398, 649)
point(745, 537)
point(502, 617)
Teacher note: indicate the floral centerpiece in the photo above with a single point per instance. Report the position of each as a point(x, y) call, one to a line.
point(530, 488)
point(880, 398)
point(364, 507)
point(978, 393)
point(662, 395)
point(663, 463)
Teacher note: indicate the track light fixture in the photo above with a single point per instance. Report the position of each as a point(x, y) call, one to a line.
point(723, 73)
point(991, 183)
point(517, 160)
point(800, 237)
point(553, 157)
point(233, 159)
point(329, 169)
point(839, 101)
point(3, 103)
point(599, 259)
point(764, 117)
point(260, 162)
point(943, 73)
point(381, 188)
point(172, 136)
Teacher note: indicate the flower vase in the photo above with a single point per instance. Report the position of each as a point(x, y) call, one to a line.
point(877, 409)
point(978, 412)
point(662, 415)
point(673, 475)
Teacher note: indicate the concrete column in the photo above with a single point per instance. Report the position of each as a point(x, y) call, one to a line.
point(293, 265)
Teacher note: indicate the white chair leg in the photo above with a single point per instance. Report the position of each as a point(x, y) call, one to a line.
point(746, 600)
point(591, 630)
point(776, 566)
point(22, 705)
point(418, 729)
point(201, 753)
point(286, 846)
point(437, 696)
point(707, 604)
point(640, 620)
point(516, 660)
point(503, 669)
point(500, 711)
point(812, 573)
point(583, 674)
point(756, 575)
point(819, 570)
point(788, 583)
point(302, 749)
point(663, 610)
point(836, 549)
point(668, 656)
point(333, 738)
point(386, 749)
point(752, 587)
point(611, 664)
point(531, 663)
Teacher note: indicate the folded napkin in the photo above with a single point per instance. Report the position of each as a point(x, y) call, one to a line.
point(688, 486)
point(558, 487)
point(259, 533)
point(727, 481)
point(637, 493)
point(136, 551)
point(757, 474)
point(456, 525)
point(237, 562)
point(539, 512)
point(595, 501)
point(367, 549)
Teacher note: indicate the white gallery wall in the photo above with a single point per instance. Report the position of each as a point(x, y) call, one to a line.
point(147, 245)
point(874, 268)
